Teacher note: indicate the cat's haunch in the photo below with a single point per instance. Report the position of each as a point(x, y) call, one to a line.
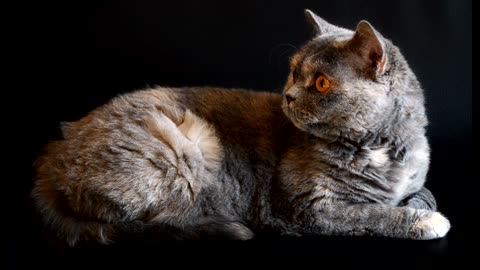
point(342, 152)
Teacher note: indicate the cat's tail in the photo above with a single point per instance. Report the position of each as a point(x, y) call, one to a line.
point(74, 230)
point(54, 209)
point(51, 197)
point(55, 213)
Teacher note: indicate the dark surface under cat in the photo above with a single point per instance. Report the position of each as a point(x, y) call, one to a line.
point(123, 54)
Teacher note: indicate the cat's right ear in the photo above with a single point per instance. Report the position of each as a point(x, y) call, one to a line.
point(370, 46)
point(320, 25)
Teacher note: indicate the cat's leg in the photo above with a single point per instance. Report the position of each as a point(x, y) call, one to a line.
point(423, 199)
point(381, 220)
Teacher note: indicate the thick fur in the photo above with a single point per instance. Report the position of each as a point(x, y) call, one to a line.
point(208, 161)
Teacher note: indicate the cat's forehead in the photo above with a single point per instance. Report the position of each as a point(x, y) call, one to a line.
point(324, 49)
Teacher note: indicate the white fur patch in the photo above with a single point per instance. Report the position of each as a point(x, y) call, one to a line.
point(432, 226)
point(378, 157)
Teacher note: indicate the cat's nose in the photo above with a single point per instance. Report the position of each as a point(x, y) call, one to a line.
point(289, 98)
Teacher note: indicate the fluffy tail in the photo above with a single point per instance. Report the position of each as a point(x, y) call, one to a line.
point(53, 207)
point(55, 213)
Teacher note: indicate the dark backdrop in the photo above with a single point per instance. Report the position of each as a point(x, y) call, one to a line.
point(80, 55)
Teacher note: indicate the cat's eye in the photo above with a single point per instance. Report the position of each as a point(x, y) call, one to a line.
point(322, 84)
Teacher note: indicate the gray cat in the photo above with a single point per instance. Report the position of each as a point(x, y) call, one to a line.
point(342, 152)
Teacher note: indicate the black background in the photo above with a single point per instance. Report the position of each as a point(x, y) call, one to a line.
point(78, 55)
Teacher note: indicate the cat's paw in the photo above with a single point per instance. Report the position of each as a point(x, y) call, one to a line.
point(430, 225)
point(423, 199)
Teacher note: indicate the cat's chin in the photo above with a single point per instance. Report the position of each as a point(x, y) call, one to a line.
point(320, 130)
point(315, 128)
point(298, 122)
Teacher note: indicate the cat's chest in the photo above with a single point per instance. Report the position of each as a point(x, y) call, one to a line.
point(364, 174)
point(390, 178)
point(376, 159)
point(377, 175)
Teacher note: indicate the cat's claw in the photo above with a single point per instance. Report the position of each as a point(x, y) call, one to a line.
point(431, 225)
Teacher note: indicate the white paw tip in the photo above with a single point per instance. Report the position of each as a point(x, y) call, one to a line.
point(433, 226)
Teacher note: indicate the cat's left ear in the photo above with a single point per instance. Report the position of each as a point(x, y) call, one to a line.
point(370, 45)
point(321, 26)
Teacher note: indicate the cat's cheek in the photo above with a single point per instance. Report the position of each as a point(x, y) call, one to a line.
point(298, 124)
point(290, 113)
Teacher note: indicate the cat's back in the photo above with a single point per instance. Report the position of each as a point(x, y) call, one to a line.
point(226, 108)
point(143, 123)
point(235, 115)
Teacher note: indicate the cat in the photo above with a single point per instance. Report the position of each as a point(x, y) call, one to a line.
point(342, 151)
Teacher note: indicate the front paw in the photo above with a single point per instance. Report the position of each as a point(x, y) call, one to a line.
point(423, 199)
point(429, 225)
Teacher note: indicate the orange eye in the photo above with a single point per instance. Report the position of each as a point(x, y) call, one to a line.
point(322, 84)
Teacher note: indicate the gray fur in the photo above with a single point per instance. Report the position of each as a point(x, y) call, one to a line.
point(209, 161)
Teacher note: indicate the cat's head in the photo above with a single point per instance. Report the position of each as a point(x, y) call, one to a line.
point(346, 83)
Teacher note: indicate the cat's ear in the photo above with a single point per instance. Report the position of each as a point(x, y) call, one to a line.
point(370, 45)
point(321, 26)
